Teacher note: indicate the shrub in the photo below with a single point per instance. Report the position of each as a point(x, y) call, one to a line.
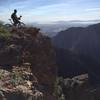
point(4, 32)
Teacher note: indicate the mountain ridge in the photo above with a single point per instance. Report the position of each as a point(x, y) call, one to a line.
point(78, 39)
point(84, 45)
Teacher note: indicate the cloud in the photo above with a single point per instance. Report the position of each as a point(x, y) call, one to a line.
point(92, 9)
point(51, 10)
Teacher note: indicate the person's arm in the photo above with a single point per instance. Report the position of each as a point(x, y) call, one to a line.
point(19, 17)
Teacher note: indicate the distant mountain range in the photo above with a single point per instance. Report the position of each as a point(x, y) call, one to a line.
point(78, 51)
point(82, 40)
point(52, 29)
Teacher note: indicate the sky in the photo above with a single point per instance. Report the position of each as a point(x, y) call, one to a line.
point(45, 11)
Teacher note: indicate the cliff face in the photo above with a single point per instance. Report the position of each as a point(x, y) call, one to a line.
point(83, 51)
point(77, 88)
point(29, 45)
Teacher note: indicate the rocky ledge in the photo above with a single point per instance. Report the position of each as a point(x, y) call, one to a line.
point(19, 84)
point(77, 88)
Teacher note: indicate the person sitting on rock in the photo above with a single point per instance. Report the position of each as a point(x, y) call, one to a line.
point(15, 18)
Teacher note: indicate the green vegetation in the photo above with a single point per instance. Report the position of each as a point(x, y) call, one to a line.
point(3, 31)
point(58, 88)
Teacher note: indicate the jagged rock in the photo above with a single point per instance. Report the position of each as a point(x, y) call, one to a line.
point(13, 85)
point(78, 88)
point(29, 45)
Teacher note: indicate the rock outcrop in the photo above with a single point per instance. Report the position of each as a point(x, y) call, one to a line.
point(29, 45)
point(78, 88)
point(19, 84)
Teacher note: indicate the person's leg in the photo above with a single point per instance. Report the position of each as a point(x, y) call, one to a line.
point(16, 22)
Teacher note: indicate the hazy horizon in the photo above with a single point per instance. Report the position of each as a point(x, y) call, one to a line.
point(46, 11)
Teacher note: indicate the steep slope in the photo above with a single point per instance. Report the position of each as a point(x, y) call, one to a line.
point(83, 40)
point(29, 45)
point(77, 88)
point(71, 64)
point(80, 51)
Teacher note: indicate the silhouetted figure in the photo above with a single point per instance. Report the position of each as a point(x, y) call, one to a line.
point(15, 18)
